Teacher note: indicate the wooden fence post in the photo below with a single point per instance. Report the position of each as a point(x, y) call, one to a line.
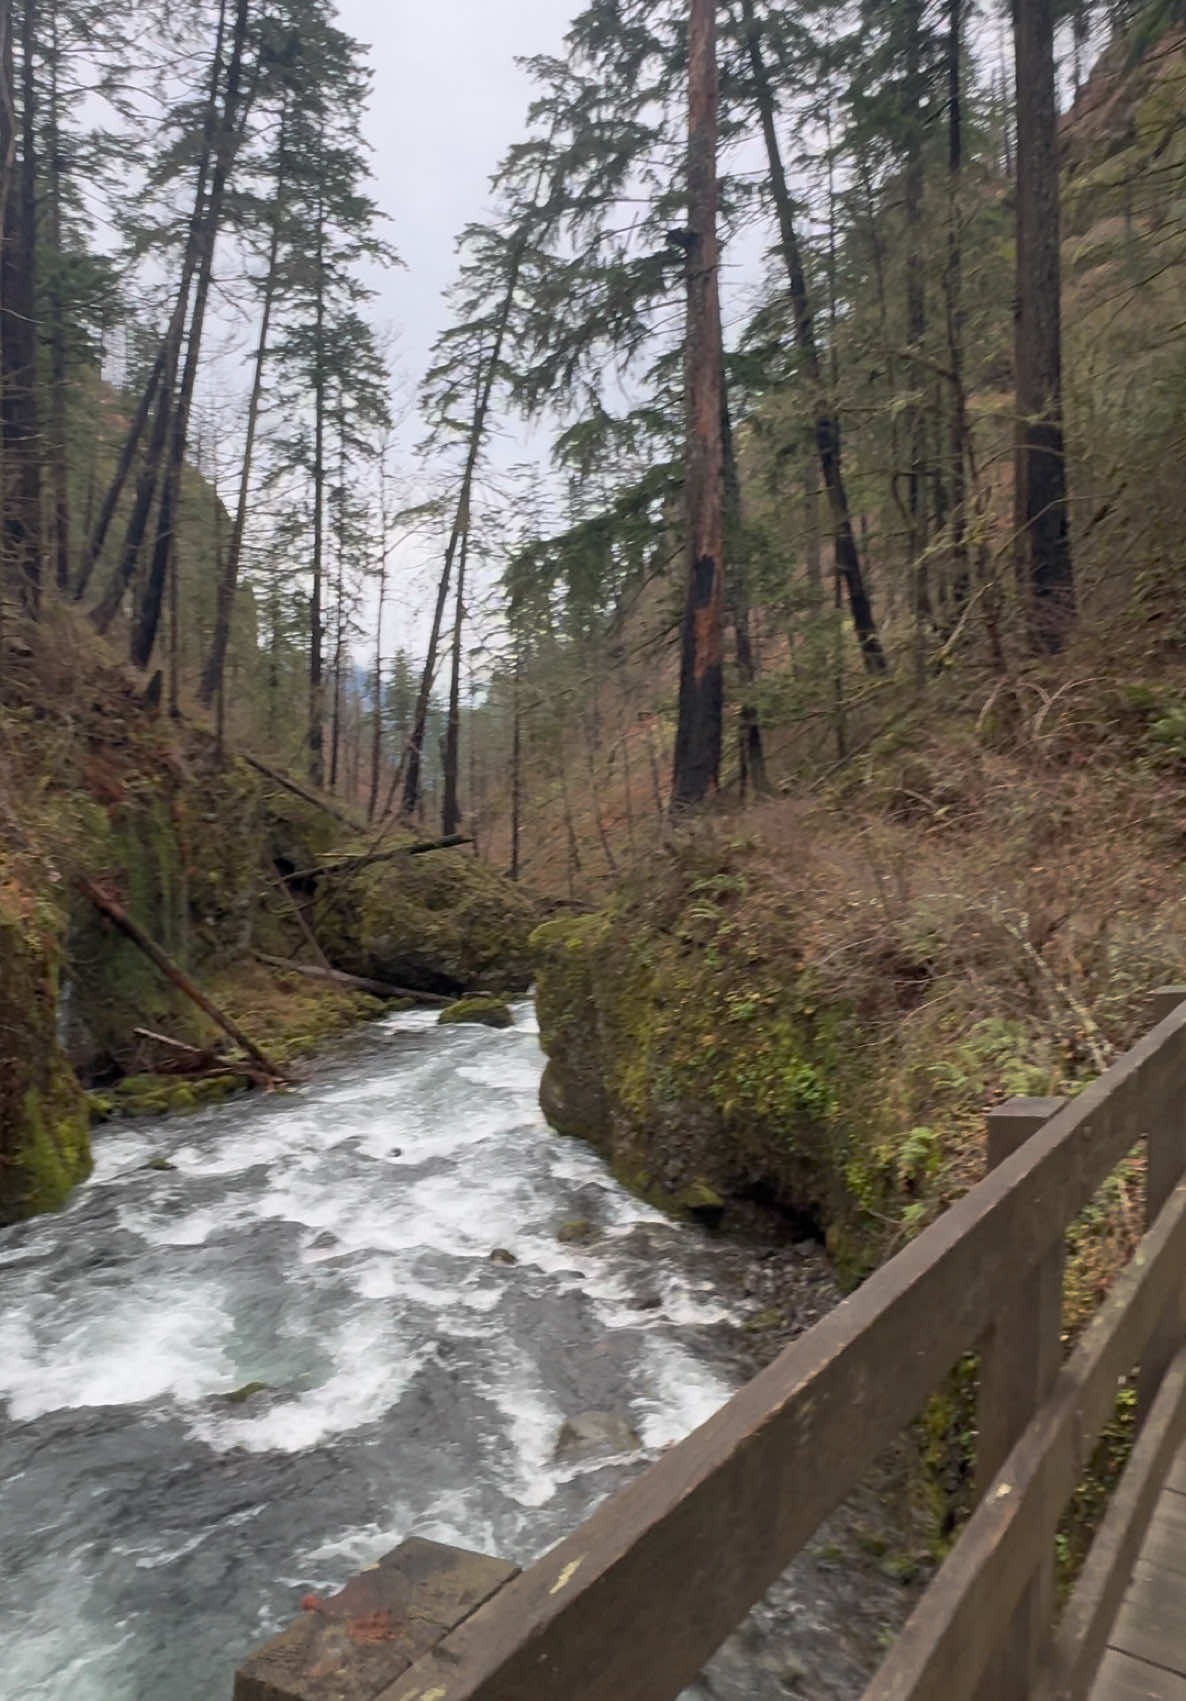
point(1019, 1360)
point(1166, 1164)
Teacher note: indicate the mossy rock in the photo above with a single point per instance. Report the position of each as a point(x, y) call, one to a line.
point(240, 1396)
point(437, 923)
point(688, 1040)
point(488, 1012)
point(44, 1115)
point(169, 1095)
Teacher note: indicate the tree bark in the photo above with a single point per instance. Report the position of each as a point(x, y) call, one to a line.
point(144, 632)
point(958, 417)
point(162, 382)
point(751, 756)
point(826, 430)
point(697, 761)
point(316, 681)
point(58, 445)
point(229, 578)
point(1042, 521)
point(18, 324)
point(451, 811)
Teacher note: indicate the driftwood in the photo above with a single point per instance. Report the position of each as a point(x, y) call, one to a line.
point(119, 918)
point(350, 864)
point(301, 791)
point(353, 983)
point(310, 937)
point(200, 1061)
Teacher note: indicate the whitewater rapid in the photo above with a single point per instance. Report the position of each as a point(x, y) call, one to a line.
point(333, 1244)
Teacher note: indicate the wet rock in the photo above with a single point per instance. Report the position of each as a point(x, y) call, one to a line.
point(770, 1318)
point(159, 1163)
point(240, 1396)
point(577, 1231)
point(500, 1255)
point(701, 1202)
point(648, 1302)
point(592, 1433)
point(324, 1241)
point(486, 1011)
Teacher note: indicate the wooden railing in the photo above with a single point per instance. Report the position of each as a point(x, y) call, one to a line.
point(630, 1606)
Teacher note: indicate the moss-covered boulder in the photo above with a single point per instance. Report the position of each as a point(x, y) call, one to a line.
point(437, 923)
point(488, 1012)
point(687, 1039)
point(44, 1119)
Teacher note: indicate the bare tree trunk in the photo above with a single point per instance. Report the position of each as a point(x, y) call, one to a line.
point(958, 417)
point(58, 446)
point(229, 578)
point(516, 760)
point(148, 615)
point(161, 384)
point(18, 324)
point(316, 683)
point(827, 435)
point(1042, 521)
point(751, 757)
point(451, 811)
point(697, 763)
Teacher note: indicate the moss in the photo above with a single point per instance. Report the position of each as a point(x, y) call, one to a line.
point(44, 1116)
point(440, 923)
point(687, 1038)
point(489, 1012)
point(168, 1095)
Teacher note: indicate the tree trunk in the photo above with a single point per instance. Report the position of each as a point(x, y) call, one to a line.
point(916, 325)
point(148, 617)
point(58, 445)
point(229, 578)
point(827, 435)
point(697, 762)
point(316, 682)
point(18, 325)
point(516, 761)
point(451, 812)
point(958, 417)
point(161, 384)
point(97, 537)
point(1042, 523)
point(751, 756)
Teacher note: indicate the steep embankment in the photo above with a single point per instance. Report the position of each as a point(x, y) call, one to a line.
point(210, 859)
point(802, 1011)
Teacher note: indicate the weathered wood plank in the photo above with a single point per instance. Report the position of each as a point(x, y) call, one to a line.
point(1019, 1360)
point(350, 1646)
point(1166, 1167)
point(1151, 1625)
point(952, 1634)
point(1126, 1531)
point(702, 1534)
point(1176, 1477)
point(1165, 1540)
point(1122, 1678)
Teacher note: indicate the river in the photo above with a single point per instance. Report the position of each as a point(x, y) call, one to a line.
point(334, 1245)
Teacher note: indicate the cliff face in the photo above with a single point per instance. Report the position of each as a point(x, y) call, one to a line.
point(687, 1039)
point(44, 1121)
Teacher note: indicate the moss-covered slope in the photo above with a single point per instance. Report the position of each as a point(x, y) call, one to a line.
point(687, 1038)
point(44, 1121)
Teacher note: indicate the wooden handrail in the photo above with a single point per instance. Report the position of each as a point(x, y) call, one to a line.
point(632, 1604)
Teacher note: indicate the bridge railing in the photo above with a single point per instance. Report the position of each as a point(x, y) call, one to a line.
point(634, 1602)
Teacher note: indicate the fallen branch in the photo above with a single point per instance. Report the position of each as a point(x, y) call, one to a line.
point(201, 1062)
point(310, 937)
point(348, 863)
point(300, 791)
point(120, 919)
point(353, 983)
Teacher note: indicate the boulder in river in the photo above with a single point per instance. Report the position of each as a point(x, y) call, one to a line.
point(483, 1009)
point(576, 1232)
point(592, 1433)
point(500, 1255)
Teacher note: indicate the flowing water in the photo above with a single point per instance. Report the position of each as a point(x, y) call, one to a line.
point(335, 1245)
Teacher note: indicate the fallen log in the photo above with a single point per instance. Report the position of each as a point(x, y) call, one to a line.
point(120, 919)
point(348, 863)
point(199, 1061)
point(353, 983)
point(301, 791)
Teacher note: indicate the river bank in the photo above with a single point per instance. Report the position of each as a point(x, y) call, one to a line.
point(335, 1246)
